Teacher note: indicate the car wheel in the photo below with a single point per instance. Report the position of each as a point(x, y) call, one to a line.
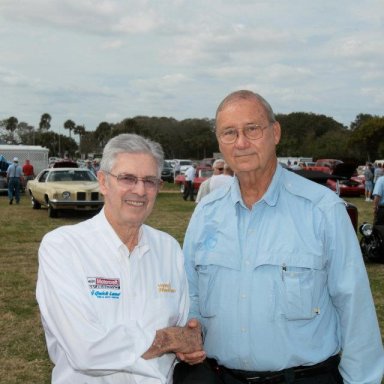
point(371, 248)
point(52, 212)
point(35, 203)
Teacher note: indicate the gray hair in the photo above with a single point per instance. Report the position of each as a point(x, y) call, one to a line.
point(217, 162)
point(130, 143)
point(247, 95)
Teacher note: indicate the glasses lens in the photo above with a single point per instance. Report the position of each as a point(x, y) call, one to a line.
point(253, 132)
point(151, 184)
point(127, 180)
point(228, 136)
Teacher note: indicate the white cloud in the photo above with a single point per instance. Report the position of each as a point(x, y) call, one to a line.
point(98, 59)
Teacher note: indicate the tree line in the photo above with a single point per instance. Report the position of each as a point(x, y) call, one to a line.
point(303, 134)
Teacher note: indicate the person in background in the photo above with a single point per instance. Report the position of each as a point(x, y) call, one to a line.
point(14, 180)
point(378, 202)
point(218, 169)
point(379, 171)
point(221, 180)
point(88, 165)
point(96, 166)
point(112, 291)
point(295, 166)
point(190, 174)
point(368, 175)
point(28, 171)
point(176, 170)
point(275, 270)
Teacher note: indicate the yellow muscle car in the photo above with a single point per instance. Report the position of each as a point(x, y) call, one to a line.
point(65, 189)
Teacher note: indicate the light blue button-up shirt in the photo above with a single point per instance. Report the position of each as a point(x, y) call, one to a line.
point(379, 189)
point(282, 284)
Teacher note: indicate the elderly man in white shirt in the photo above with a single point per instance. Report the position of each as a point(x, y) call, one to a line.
point(112, 291)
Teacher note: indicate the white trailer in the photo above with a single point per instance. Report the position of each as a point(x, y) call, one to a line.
point(37, 155)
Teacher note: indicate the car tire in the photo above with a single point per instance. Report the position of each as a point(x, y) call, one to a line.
point(52, 213)
point(35, 203)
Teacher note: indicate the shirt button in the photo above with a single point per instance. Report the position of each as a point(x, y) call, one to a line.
point(247, 262)
point(244, 330)
point(243, 295)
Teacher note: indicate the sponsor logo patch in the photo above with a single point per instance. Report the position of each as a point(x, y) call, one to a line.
point(104, 287)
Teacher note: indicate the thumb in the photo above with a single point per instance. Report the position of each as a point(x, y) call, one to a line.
point(193, 323)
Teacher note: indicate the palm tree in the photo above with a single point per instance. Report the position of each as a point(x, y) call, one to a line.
point(11, 125)
point(79, 130)
point(71, 125)
point(45, 122)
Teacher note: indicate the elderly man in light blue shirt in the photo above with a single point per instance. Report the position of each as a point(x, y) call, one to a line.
point(275, 269)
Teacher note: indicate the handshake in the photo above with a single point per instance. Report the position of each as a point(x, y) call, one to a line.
point(185, 341)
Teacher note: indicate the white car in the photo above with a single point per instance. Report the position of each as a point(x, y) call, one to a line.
point(184, 165)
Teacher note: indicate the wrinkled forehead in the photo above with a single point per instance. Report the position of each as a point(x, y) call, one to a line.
point(241, 111)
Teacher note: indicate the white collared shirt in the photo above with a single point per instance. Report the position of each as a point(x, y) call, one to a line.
point(101, 305)
point(190, 173)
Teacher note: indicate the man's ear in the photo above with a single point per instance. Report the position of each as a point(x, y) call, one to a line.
point(276, 132)
point(102, 178)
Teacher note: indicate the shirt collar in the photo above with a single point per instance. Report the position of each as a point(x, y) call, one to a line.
point(114, 240)
point(270, 196)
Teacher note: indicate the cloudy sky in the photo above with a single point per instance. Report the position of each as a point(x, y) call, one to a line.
point(105, 60)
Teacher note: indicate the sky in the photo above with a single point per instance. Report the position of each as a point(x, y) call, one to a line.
point(106, 60)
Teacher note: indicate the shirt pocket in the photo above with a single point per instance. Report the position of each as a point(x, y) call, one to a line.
point(303, 280)
point(299, 291)
point(208, 266)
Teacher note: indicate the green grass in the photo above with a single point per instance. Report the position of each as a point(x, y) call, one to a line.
point(23, 355)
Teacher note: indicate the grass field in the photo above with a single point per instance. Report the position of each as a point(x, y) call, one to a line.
point(23, 355)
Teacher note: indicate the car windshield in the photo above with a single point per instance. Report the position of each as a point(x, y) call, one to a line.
point(71, 175)
point(185, 162)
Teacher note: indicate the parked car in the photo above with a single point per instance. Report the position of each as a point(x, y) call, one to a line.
point(324, 165)
point(65, 189)
point(322, 178)
point(344, 183)
point(184, 164)
point(167, 172)
point(202, 173)
point(3, 182)
point(64, 164)
point(4, 164)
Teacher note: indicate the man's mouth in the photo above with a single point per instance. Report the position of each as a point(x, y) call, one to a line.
point(134, 203)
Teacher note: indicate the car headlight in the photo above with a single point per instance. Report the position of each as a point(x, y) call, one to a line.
point(366, 229)
point(66, 194)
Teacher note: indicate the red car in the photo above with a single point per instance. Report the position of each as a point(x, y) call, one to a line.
point(323, 178)
point(202, 173)
point(344, 183)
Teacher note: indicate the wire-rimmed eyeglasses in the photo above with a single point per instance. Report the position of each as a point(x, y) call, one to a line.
point(251, 132)
point(129, 181)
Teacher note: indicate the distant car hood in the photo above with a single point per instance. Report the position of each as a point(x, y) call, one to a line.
point(73, 185)
point(344, 170)
point(316, 176)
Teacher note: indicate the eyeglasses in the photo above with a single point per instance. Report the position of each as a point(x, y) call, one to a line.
point(251, 132)
point(129, 181)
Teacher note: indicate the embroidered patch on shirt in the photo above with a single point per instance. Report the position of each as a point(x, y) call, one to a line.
point(104, 287)
point(165, 287)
